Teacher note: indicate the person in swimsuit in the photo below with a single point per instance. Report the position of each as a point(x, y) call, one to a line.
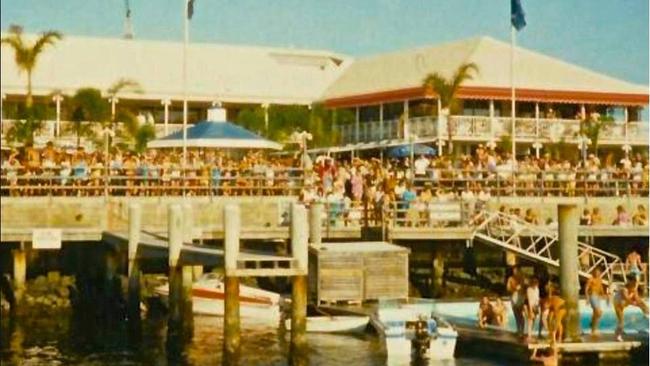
point(515, 286)
point(499, 313)
point(485, 313)
point(531, 305)
point(594, 293)
point(626, 295)
point(633, 264)
point(556, 313)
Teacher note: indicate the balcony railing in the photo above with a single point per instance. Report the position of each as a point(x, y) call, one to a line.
point(484, 128)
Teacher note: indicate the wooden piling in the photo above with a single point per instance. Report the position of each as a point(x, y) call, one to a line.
point(20, 272)
point(133, 297)
point(231, 321)
point(315, 220)
point(569, 283)
point(180, 319)
point(299, 238)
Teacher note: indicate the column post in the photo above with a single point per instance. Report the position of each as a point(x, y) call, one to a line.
point(166, 103)
point(57, 128)
point(381, 121)
point(537, 137)
point(568, 220)
point(315, 228)
point(356, 125)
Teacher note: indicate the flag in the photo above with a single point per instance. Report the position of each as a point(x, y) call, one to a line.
point(517, 16)
point(190, 9)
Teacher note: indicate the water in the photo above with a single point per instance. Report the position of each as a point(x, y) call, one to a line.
point(48, 339)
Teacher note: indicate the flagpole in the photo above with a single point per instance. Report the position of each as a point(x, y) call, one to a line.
point(513, 40)
point(186, 39)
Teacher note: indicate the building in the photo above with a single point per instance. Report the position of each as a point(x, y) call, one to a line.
point(383, 92)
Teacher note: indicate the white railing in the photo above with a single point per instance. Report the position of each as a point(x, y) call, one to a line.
point(484, 128)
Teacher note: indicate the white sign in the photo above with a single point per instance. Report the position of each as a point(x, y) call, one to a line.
point(46, 238)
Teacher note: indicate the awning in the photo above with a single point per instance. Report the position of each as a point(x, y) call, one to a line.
point(211, 134)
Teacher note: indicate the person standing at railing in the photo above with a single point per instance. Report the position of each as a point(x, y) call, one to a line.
point(622, 217)
point(640, 217)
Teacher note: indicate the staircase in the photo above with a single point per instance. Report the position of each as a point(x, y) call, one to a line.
point(540, 244)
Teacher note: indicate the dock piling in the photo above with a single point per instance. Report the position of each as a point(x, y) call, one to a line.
point(315, 229)
point(569, 282)
point(180, 284)
point(20, 271)
point(299, 239)
point(133, 297)
point(231, 321)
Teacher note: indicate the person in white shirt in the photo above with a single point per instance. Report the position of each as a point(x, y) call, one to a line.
point(421, 165)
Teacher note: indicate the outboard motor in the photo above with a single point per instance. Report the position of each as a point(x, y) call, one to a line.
point(421, 339)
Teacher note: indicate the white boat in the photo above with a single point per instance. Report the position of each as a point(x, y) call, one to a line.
point(334, 324)
point(208, 294)
point(409, 332)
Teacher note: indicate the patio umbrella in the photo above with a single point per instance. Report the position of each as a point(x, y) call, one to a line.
point(211, 134)
point(403, 151)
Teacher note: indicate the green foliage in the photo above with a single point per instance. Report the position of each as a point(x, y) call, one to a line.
point(89, 110)
point(284, 120)
point(447, 88)
point(505, 143)
point(124, 84)
point(592, 127)
point(28, 123)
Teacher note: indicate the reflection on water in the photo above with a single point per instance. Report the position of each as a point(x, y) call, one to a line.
point(47, 339)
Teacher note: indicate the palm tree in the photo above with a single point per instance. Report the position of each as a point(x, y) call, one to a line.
point(446, 90)
point(119, 86)
point(26, 55)
point(88, 109)
point(135, 133)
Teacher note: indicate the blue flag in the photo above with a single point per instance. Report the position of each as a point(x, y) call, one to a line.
point(190, 9)
point(517, 16)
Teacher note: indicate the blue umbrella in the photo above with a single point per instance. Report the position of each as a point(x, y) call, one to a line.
point(403, 151)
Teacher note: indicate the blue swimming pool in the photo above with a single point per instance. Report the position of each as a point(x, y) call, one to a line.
point(465, 312)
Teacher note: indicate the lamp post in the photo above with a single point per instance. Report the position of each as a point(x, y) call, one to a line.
point(113, 99)
point(265, 106)
point(412, 138)
point(108, 133)
point(166, 103)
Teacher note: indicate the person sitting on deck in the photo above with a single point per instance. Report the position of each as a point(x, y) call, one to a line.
point(626, 295)
point(594, 293)
point(485, 313)
point(499, 313)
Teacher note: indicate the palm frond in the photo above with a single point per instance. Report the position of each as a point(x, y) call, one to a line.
point(464, 73)
point(125, 84)
point(47, 38)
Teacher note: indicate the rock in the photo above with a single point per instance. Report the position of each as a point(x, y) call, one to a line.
point(53, 278)
point(63, 292)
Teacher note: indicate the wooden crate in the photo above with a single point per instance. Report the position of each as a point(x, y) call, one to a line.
point(358, 271)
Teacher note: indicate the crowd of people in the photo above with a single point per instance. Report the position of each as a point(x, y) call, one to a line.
point(354, 189)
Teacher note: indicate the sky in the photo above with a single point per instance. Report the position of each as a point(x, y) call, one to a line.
point(604, 35)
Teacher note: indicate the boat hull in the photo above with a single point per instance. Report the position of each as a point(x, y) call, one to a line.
point(334, 324)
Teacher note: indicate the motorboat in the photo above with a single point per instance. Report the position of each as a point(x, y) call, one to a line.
point(334, 324)
point(412, 332)
point(208, 295)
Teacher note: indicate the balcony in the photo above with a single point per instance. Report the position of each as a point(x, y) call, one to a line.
point(483, 129)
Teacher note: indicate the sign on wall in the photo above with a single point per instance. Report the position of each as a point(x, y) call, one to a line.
point(46, 238)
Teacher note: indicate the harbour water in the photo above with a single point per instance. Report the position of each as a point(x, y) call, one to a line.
point(57, 339)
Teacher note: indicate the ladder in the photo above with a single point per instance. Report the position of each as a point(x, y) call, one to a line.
point(540, 244)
